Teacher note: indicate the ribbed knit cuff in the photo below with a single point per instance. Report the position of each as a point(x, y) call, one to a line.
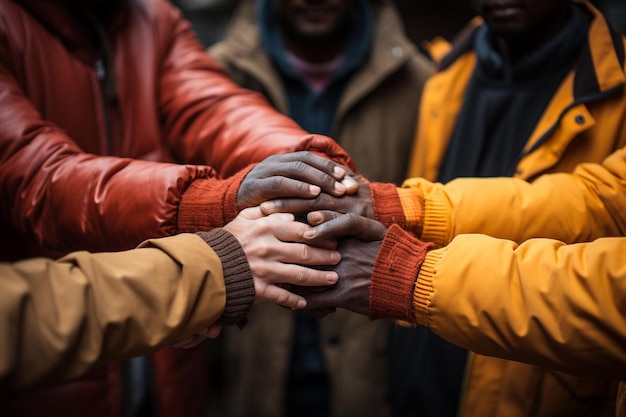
point(387, 205)
point(210, 202)
point(412, 201)
point(424, 287)
point(240, 293)
point(396, 268)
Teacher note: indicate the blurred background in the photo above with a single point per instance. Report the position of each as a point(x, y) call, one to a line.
point(423, 19)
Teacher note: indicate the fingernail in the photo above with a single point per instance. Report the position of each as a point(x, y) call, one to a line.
point(340, 187)
point(335, 257)
point(309, 234)
point(314, 218)
point(314, 189)
point(267, 206)
point(340, 172)
point(300, 304)
point(350, 183)
point(331, 277)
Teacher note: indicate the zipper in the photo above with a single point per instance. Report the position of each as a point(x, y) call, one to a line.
point(103, 77)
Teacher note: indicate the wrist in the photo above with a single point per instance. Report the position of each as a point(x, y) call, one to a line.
point(387, 205)
point(238, 281)
point(209, 202)
point(396, 269)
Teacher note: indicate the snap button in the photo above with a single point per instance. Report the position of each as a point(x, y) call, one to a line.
point(580, 119)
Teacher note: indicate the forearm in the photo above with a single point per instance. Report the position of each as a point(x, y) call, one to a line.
point(61, 318)
point(543, 302)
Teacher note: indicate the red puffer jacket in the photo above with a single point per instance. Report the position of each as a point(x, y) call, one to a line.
point(100, 107)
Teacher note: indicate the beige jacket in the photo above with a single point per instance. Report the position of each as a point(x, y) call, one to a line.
point(59, 319)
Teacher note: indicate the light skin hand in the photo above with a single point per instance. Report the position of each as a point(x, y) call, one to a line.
point(276, 252)
point(359, 203)
point(294, 175)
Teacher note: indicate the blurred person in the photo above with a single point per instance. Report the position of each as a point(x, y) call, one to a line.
point(61, 318)
point(342, 68)
point(116, 127)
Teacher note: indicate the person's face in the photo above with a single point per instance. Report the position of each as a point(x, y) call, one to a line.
point(314, 19)
point(519, 17)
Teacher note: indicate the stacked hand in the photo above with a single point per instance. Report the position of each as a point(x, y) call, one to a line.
point(298, 176)
point(359, 241)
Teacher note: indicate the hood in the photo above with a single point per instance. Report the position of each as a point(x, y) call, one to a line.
point(359, 42)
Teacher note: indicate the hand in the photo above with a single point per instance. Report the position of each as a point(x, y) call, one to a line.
point(352, 290)
point(359, 203)
point(358, 254)
point(194, 340)
point(277, 255)
point(294, 175)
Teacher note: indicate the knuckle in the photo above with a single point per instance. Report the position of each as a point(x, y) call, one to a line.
point(300, 277)
point(305, 253)
point(282, 297)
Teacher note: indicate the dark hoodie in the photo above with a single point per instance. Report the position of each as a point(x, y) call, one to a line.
point(315, 111)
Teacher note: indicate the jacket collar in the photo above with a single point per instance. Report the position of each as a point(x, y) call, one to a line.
point(600, 68)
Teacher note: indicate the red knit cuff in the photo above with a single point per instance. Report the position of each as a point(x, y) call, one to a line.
point(396, 268)
point(210, 202)
point(387, 205)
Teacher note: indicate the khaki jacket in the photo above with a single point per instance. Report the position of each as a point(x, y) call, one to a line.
point(60, 319)
point(583, 122)
point(375, 123)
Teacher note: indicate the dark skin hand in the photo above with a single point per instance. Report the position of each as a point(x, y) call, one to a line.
point(360, 239)
point(359, 203)
point(297, 175)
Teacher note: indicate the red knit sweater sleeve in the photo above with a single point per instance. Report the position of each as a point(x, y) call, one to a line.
point(396, 268)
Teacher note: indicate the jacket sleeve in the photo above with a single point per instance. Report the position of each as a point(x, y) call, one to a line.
point(542, 302)
point(582, 206)
point(210, 120)
point(58, 319)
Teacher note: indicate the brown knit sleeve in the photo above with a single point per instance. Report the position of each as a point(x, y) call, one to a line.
point(240, 293)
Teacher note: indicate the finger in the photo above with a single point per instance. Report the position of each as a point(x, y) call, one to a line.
point(349, 225)
point(351, 185)
point(290, 231)
point(281, 273)
point(256, 191)
point(212, 331)
point(322, 216)
point(284, 298)
point(323, 164)
point(190, 342)
point(302, 254)
point(297, 205)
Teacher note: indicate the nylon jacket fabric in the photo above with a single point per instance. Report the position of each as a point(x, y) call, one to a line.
point(102, 308)
point(375, 123)
point(528, 297)
point(81, 128)
point(583, 122)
